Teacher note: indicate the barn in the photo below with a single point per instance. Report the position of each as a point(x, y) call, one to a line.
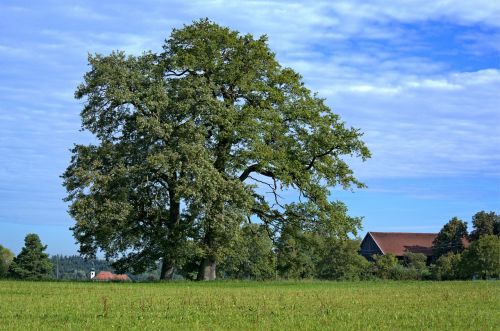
point(397, 243)
point(108, 276)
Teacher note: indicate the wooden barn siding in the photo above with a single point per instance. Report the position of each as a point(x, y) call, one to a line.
point(369, 247)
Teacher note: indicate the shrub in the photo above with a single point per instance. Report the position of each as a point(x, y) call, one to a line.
point(341, 261)
point(447, 267)
point(384, 266)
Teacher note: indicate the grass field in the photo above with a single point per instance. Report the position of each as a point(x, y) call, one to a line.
point(250, 305)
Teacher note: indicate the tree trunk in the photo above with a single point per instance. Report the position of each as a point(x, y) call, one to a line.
point(168, 265)
point(207, 269)
point(167, 270)
point(208, 265)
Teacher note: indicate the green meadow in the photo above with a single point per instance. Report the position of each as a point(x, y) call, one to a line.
point(280, 305)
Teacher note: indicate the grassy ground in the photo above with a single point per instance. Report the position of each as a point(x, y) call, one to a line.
point(250, 306)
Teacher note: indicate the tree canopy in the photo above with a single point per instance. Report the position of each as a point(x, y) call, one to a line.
point(482, 258)
point(450, 238)
point(196, 140)
point(485, 224)
point(32, 263)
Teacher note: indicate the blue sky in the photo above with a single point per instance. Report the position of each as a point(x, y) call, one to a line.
point(421, 81)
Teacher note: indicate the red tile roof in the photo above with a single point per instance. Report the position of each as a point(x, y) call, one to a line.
point(109, 276)
point(398, 243)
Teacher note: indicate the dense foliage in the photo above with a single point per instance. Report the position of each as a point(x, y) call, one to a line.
point(250, 256)
point(480, 260)
point(6, 257)
point(447, 267)
point(340, 260)
point(485, 224)
point(193, 142)
point(450, 238)
point(32, 263)
point(303, 250)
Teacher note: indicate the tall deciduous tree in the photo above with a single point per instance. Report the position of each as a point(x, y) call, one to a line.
point(32, 263)
point(485, 224)
point(482, 258)
point(187, 139)
point(450, 238)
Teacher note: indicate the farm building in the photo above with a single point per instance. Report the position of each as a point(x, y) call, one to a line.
point(398, 243)
point(109, 276)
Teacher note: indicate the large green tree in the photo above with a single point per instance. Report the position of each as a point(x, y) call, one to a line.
point(193, 141)
point(485, 224)
point(6, 257)
point(482, 258)
point(450, 238)
point(32, 263)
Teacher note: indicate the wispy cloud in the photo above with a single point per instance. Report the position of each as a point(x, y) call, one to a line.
point(429, 126)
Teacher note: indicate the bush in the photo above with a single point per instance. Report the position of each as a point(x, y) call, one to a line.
point(417, 265)
point(384, 266)
point(400, 272)
point(341, 261)
point(415, 260)
point(447, 267)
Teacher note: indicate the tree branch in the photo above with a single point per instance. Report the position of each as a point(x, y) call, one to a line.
point(173, 73)
point(315, 157)
point(255, 168)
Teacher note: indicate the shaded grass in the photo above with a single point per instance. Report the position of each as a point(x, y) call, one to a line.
point(250, 305)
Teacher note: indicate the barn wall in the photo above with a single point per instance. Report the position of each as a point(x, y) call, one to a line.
point(369, 247)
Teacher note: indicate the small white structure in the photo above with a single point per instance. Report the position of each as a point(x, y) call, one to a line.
point(92, 273)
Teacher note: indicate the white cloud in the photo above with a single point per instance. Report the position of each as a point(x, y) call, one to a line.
point(13, 51)
point(446, 126)
point(416, 112)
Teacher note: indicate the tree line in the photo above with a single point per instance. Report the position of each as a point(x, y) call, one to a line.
point(308, 251)
point(481, 259)
point(301, 252)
